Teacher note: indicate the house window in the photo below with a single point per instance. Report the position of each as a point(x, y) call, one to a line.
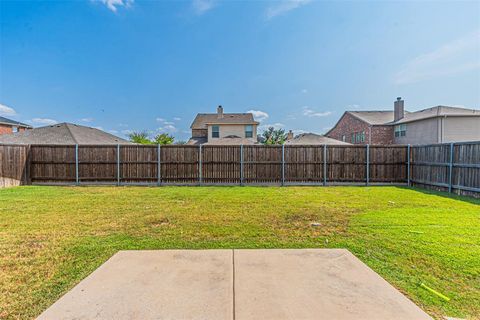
point(14, 129)
point(248, 131)
point(343, 138)
point(215, 132)
point(400, 130)
point(353, 137)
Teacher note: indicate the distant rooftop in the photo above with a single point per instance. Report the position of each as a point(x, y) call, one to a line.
point(203, 119)
point(314, 139)
point(13, 123)
point(62, 133)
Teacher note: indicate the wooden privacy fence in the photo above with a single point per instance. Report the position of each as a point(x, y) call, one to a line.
point(452, 167)
point(156, 165)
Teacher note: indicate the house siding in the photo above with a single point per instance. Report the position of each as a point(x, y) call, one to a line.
point(374, 134)
point(441, 130)
point(232, 130)
point(457, 129)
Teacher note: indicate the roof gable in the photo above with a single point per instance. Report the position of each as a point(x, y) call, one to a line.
point(203, 119)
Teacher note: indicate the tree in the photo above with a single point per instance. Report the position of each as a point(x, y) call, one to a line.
point(163, 138)
point(274, 136)
point(143, 138)
point(140, 137)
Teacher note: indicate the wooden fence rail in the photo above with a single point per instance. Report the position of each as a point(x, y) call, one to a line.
point(450, 167)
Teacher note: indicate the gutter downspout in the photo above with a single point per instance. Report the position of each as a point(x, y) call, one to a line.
point(370, 134)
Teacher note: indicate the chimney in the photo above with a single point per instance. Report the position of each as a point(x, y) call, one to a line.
point(398, 109)
point(220, 112)
point(290, 135)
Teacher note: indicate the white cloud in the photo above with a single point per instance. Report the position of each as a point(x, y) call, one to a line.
point(458, 56)
point(308, 112)
point(6, 111)
point(298, 131)
point(304, 90)
point(113, 131)
point(126, 131)
point(202, 6)
point(86, 119)
point(259, 115)
point(113, 5)
point(276, 125)
point(353, 106)
point(167, 129)
point(283, 7)
point(98, 127)
point(161, 120)
point(168, 122)
point(177, 119)
point(43, 121)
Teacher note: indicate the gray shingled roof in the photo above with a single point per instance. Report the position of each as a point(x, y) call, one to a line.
point(373, 117)
point(202, 119)
point(62, 133)
point(386, 117)
point(13, 123)
point(438, 111)
point(314, 139)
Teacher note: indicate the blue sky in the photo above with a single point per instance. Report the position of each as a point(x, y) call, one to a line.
point(126, 65)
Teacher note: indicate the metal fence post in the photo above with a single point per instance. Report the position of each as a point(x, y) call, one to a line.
point(241, 165)
point(159, 167)
point(450, 169)
point(324, 164)
point(368, 165)
point(408, 165)
point(283, 164)
point(200, 178)
point(118, 164)
point(77, 180)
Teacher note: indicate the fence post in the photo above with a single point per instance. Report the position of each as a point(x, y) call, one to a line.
point(283, 164)
point(77, 180)
point(450, 168)
point(408, 165)
point(159, 167)
point(241, 165)
point(324, 164)
point(368, 165)
point(118, 164)
point(200, 178)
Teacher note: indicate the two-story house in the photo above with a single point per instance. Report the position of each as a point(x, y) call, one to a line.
point(438, 124)
point(223, 128)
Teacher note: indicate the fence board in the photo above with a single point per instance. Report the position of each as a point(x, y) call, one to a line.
point(13, 165)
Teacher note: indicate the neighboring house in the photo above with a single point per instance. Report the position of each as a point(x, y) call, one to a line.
point(223, 128)
point(12, 126)
point(433, 125)
point(62, 133)
point(312, 139)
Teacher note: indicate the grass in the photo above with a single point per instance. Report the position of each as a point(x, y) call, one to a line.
point(52, 237)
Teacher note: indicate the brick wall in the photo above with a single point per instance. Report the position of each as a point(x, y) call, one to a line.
point(348, 124)
point(5, 128)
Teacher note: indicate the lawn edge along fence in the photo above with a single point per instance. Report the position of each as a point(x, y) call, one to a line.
point(453, 167)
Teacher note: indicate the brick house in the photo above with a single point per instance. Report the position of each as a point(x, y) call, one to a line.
point(12, 126)
point(223, 128)
point(438, 124)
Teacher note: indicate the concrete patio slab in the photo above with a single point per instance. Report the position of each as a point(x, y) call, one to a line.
point(164, 284)
point(314, 284)
point(234, 284)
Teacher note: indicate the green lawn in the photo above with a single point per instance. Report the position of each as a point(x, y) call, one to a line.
point(52, 237)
